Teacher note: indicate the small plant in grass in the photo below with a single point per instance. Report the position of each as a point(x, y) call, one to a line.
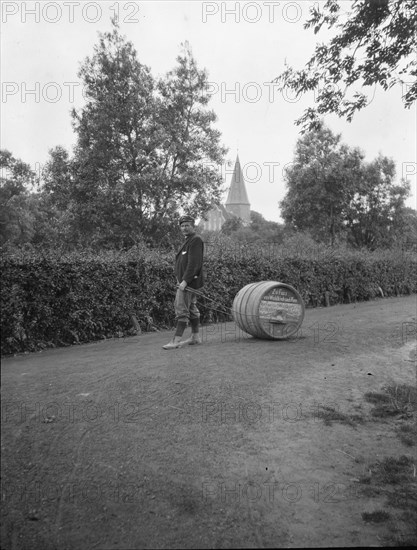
point(394, 470)
point(398, 400)
point(404, 497)
point(330, 415)
point(378, 516)
point(408, 434)
point(370, 492)
point(403, 397)
point(365, 479)
point(377, 398)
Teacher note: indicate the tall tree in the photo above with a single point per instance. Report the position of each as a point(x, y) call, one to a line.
point(17, 207)
point(376, 216)
point(116, 141)
point(57, 178)
point(191, 147)
point(409, 230)
point(321, 182)
point(145, 149)
point(375, 43)
point(265, 230)
point(334, 193)
point(63, 204)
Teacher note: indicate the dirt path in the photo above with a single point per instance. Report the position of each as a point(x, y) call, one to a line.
point(120, 444)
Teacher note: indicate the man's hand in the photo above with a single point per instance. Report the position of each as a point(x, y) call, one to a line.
point(183, 285)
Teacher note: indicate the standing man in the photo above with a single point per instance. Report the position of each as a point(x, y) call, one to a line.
point(189, 274)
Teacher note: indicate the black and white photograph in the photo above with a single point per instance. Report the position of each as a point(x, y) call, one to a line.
point(208, 250)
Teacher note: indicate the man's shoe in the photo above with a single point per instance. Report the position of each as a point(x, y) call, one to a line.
point(173, 345)
point(192, 341)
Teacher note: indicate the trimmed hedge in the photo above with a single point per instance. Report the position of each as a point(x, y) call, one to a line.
point(345, 278)
point(56, 301)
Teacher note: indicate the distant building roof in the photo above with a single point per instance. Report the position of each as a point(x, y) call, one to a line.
point(215, 217)
point(227, 215)
point(237, 190)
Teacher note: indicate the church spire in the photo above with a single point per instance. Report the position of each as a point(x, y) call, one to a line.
point(237, 190)
point(237, 199)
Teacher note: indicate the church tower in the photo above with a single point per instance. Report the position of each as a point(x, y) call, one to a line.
point(237, 202)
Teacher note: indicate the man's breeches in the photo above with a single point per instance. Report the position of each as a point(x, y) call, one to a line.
point(186, 306)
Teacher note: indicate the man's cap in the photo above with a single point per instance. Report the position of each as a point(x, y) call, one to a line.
point(186, 219)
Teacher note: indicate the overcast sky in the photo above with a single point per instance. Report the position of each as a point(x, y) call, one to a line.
point(242, 46)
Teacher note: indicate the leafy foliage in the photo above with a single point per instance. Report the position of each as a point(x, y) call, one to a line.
point(17, 206)
point(259, 229)
point(373, 43)
point(232, 225)
point(336, 195)
point(146, 149)
point(58, 300)
point(376, 215)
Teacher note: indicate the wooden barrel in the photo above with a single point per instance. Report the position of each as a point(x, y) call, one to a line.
point(268, 310)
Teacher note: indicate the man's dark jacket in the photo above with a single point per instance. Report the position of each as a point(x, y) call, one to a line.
point(189, 262)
